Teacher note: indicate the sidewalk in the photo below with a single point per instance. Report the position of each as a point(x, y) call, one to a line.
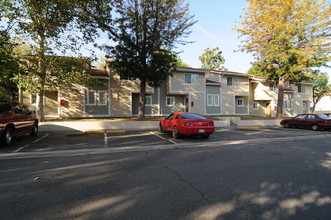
point(74, 126)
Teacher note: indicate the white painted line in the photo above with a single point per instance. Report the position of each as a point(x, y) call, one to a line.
point(106, 139)
point(27, 145)
point(41, 138)
point(163, 137)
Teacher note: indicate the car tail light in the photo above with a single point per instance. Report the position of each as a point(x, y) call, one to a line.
point(188, 124)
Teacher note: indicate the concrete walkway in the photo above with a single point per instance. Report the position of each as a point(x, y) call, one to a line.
point(83, 126)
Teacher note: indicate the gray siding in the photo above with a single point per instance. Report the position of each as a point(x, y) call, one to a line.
point(213, 90)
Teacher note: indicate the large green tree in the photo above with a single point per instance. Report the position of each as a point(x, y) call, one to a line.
point(289, 39)
point(8, 67)
point(147, 31)
point(212, 59)
point(321, 88)
point(52, 25)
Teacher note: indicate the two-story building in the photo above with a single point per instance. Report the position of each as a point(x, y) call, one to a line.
point(207, 92)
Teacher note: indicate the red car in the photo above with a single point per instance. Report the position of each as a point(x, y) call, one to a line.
point(313, 121)
point(16, 119)
point(185, 123)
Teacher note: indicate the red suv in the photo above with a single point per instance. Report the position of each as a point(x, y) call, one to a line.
point(16, 119)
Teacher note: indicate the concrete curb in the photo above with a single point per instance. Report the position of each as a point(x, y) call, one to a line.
point(123, 126)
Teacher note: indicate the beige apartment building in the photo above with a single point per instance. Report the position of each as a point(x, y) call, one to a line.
point(207, 92)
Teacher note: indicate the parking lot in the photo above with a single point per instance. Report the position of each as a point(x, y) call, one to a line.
point(56, 141)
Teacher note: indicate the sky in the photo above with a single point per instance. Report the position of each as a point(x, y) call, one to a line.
point(216, 20)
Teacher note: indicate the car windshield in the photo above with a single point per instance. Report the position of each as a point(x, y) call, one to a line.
point(191, 116)
point(323, 116)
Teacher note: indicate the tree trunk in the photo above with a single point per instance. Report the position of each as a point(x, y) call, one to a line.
point(141, 110)
point(42, 75)
point(280, 101)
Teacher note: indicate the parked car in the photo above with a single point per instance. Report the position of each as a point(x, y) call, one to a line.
point(185, 123)
point(16, 119)
point(313, 121)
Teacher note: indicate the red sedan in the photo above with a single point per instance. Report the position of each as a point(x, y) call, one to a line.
point(185, 123)
point(313, 121)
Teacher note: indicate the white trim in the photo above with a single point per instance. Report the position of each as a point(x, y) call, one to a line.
point(173, 102)
point(242, 100)
point(88, 97)
point(210, 98)
point(106, 97)
point(257, 106)
point(191, 83)
point(216, 97)
point(151, 100)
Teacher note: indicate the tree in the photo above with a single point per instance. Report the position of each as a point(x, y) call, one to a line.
point(45, 23)
point(289, 39)
point(321, 88)
point(212, 59)
point(147, 31)
point(8, 67)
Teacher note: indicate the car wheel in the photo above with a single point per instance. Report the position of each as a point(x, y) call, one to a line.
point(175, 133)
point(205, 135)
point(8, 137)
point(287, 125)
point(161, 128)
point(34, 130)
point(315, 127)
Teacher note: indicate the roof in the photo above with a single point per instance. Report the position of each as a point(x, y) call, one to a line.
point(203, 71)
point(99, 72)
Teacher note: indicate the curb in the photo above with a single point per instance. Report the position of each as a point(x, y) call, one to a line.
point(104, 132)
point(242, 128)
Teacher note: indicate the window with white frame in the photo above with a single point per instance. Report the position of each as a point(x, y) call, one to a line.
point(240, 102)
point(288, 105)
point(33, 98)
point(102, 98)
point(232, 81)
point(170, 101)
point(191, 78)
point(148, 100)
point(216, 100)
point(255, 106)
point(301, 89)
point(91, 97)
point(209, 99)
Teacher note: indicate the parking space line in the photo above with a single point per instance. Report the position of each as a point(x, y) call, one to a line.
point(27, 145)
point(162, 137)
point(106, 139)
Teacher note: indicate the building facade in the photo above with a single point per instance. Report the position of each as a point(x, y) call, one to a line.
point(206, 92)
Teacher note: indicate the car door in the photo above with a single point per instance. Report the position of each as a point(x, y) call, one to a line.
point(23, 120)
point(309, 121)
point(299, 121)
point(168, 122)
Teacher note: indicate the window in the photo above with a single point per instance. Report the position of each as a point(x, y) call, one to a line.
point(311, 117)
point(170, 101)
point(209, 99)
point(148, 100)
point(102, 98)
point(288, 105)
point(191, 78)
point(213, 100)
point(216, 100)
point(33, 98)
point(91, 97)
point(273, 87)
point(255, 106)
point(240, 102)
point(232, 81)
point(301, 89)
